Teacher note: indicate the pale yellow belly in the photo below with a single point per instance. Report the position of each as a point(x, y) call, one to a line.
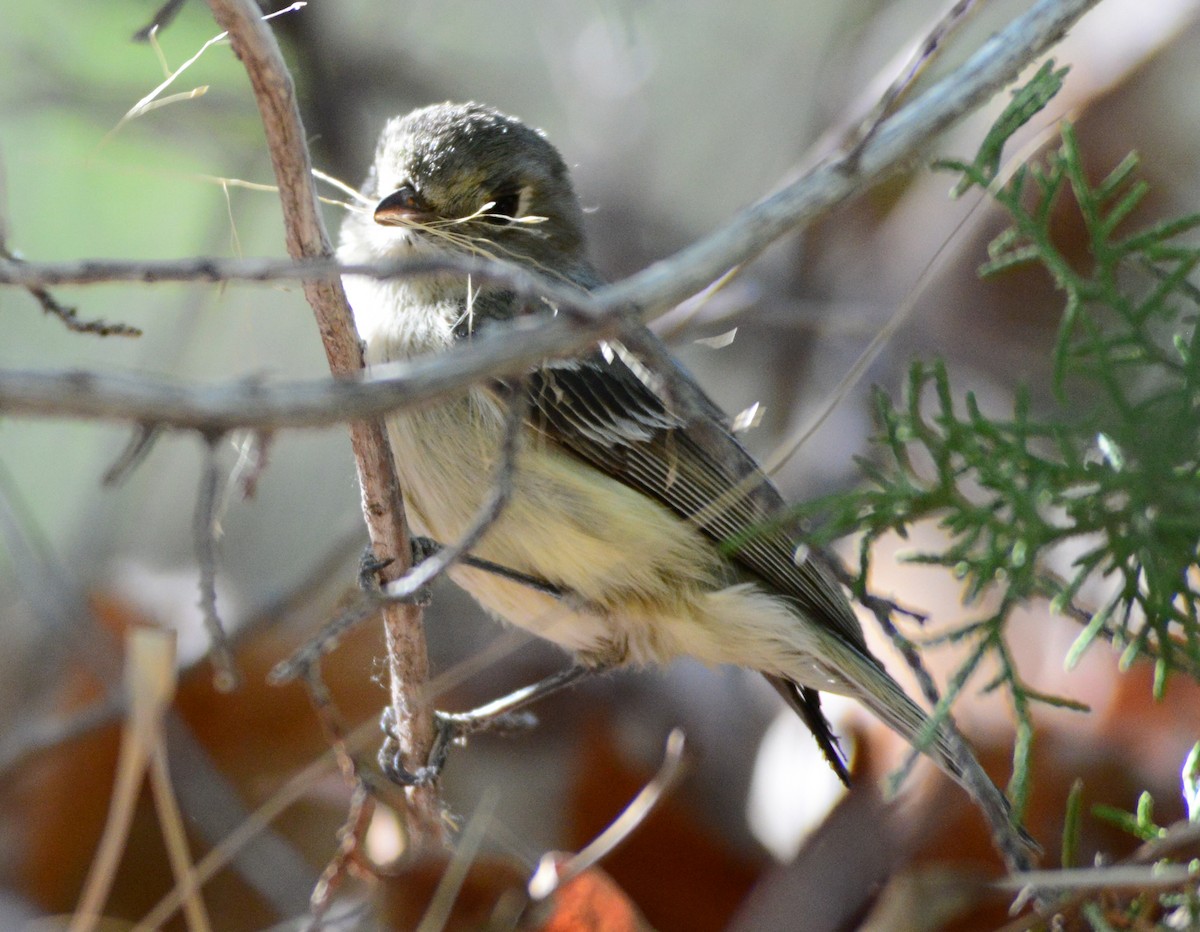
point(621, 556)
point(643, 586)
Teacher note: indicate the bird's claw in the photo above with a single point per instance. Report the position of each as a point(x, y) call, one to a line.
point(369, 566)
point(423, 548)
point(368, 574)
point(450, 728)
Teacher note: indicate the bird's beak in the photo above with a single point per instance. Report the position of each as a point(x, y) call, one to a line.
point(402, 207)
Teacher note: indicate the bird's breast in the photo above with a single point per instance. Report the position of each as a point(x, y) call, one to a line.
point(639, 571)
point(445, 459)
point(400, 320)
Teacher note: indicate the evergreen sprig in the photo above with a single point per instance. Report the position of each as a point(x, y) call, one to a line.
point(1112, 467)
point(1164, 847)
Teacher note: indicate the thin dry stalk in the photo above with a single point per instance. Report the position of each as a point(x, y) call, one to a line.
point(150, 684)
point(170, 817)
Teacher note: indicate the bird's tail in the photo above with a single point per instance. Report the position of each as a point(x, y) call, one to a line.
point(865, 679)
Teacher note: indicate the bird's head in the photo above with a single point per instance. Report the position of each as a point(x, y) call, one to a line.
point(466, 178)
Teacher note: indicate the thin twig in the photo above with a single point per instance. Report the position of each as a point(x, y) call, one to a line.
point(68, 315)
point(417, 578)
point(506, 351)
point(70, 318)
point(347, 858)
point(1177, 836)
point(331, 721)
point(953, 18)
point(204, 532)
point(136, 450)
point(500, 490)
point(1129, 877)
point(219, 270)
point(322, 643)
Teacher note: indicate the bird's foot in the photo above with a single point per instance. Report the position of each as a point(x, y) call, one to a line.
point(504, 715)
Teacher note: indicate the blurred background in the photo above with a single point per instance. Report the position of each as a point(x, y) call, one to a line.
point(673, 117)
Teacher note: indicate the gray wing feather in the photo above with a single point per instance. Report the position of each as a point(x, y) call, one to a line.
point(598, 408)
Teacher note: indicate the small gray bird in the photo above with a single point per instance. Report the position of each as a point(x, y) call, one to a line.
point(656, 526)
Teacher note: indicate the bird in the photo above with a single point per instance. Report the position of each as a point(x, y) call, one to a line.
point(654, 531)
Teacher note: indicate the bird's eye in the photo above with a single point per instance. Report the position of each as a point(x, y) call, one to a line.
point(506, 204)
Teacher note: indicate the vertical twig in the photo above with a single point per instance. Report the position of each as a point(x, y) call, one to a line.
point(348, 859)
point(408, 662)
point(204, 531)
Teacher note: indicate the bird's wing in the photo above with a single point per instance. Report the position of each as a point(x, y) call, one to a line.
point(601, 408)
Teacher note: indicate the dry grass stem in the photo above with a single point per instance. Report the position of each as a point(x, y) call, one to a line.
point(552, 874)
point(150, 687)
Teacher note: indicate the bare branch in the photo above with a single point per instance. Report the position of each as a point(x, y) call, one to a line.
point(668, 282)
point(897, 140)
point(950, 21)
point(324, 641)
point(1132, 872)
point(1125, 877)
point(209, 269)
point(507, 351)
point(72, 321)
point(383, 507)
point(349, 860)
point(68, 315)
